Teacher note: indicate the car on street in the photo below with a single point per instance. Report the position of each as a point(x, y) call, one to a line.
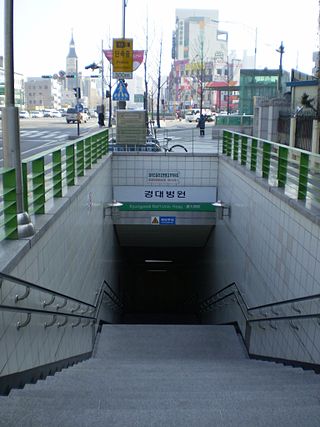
point(36, 114)
point(55, 113)
point(73, 116)
point(24, 115)
point(47, 113)
point(93, 113)
point(192, 116)
point(63, 112)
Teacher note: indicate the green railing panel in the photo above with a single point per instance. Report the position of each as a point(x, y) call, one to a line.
point(10, 204)
point(38, 185)
point(282, 166)
point(224, 142)
point(87, 153)
point(70, 165)
point(25, 190)
point(99, 147)
point(57, 173)
point(236, 138)
point(105, 137)
point(45, 175)
point(244, 149)
point(303, 176)
point(80, 158)
point(254, 154)
point(266, 159)
point(94, 147)
point(227, 143)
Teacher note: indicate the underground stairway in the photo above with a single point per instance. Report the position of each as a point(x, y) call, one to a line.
point(168, 375)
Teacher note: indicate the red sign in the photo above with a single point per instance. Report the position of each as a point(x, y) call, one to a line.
point(137, 57)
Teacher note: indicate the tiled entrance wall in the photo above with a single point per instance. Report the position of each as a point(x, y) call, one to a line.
point(72, 253)
point(196, 170)
point(271, 249)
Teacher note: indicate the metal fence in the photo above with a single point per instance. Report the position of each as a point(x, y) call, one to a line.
point(47, 176)
point(284, 121)
point(304, 132)
point(294, 170)
point(303, 135)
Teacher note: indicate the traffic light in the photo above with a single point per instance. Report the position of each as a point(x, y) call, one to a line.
point(108, 94)
point(92, 66)
point(77, 92)
point(46, 77)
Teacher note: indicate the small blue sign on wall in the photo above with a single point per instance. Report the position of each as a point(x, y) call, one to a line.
point(167, 220)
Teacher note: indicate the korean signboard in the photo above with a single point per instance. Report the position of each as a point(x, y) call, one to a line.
point(122, 56)
point(170, 194)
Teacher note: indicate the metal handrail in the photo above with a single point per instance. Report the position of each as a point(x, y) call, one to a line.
point(114, 297)
point(94, 308)
point(112, 300)
point(269, 305)
point(31, 285)
point(258, 307)
point(54, 314)
point(288, 317)
point(43, 311)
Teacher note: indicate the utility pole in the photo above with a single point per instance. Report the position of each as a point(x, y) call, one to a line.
point(228, 83)
point(102, 83)
point(77, 97)
point(202, 70)
point(122, 104)
point(318, 67)
point(145, 100)
point(159, 85)
point(11, 131)
point(281, 51)
point(110, 99)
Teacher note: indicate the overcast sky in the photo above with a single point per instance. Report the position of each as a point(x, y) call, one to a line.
point(42, 30)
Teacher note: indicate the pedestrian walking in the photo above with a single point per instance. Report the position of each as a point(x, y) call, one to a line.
point(101, 119)
point(202, 124)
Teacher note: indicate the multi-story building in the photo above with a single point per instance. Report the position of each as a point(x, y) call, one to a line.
point(19, 93)
point(200, 56)
point(42, 93)
point(263, 84)
point(91, 95)
point(71, 66)
point(72, 75)
point(197, 35)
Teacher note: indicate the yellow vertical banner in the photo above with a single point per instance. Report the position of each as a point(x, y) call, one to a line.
point(122, 55)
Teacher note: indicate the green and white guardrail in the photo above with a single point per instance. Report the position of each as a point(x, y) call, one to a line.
point(296, 171)
point(46, 177)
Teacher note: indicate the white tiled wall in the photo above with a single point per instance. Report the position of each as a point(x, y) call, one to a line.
point(201, 170)
point(73, 257)
point(272, 251)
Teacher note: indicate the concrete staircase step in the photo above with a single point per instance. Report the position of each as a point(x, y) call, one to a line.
point(168, 375)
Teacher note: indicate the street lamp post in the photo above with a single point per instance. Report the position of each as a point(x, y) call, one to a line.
point(78, 96)
point(93, 67)
point(281, 51)
point(122, 104)
point(11, 131)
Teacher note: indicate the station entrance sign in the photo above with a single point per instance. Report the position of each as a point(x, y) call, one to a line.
point(122, 56)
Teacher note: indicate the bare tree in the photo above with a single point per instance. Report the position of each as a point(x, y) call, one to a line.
point(159, 84)
point(145, 103)
point(318, 68)
point(199, 54)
